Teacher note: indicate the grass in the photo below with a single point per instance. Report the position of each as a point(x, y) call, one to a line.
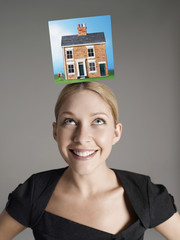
point(62, 80)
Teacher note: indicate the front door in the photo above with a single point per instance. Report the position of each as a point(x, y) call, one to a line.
point(102, 69)
point(81, 70)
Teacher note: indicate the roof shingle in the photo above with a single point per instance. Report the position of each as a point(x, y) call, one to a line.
point(90, 38)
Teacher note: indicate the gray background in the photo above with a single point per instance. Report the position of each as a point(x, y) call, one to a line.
point(146, 56)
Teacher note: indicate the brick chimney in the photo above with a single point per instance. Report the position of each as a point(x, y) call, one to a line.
point(82, 29)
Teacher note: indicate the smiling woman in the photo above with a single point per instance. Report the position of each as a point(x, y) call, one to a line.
point(87, 199)
point(85, 129)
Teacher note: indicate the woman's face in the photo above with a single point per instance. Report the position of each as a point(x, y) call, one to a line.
point(85, 131)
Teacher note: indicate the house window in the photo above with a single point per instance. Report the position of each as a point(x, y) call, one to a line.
point(71, 69)
point(69, 53)
point(92, 66)
point(90, 51)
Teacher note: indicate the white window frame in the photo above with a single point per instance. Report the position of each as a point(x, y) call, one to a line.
point(69, 49)
point(90, 47)
point(70, 63)
point(92, 61)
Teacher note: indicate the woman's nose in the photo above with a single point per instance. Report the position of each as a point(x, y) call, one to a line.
point(82, 134)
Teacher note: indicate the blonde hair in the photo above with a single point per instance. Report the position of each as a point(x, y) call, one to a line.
point(102, 90)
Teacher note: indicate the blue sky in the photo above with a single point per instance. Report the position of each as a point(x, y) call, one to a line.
point(59, 28)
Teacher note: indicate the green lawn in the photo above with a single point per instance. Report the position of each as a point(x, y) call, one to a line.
point(62, 80)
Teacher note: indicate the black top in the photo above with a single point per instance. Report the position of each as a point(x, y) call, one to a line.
point(152, 204)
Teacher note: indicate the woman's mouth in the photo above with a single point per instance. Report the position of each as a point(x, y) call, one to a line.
point(83, 154)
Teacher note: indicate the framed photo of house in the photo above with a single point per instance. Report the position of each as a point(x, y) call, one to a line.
point(82, 49)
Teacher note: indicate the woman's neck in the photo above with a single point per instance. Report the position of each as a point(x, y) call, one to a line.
point(100, 180)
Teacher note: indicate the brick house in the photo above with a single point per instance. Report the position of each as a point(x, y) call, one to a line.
point(84, 54)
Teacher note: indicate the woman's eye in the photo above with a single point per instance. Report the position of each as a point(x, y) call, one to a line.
point(98, 121)
point(69, 121)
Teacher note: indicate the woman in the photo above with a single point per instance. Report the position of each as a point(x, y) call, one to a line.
point(87, 199)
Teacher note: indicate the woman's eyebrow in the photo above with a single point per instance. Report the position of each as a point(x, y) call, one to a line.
point(92, 114)
point(99, 113)
point(70, 113)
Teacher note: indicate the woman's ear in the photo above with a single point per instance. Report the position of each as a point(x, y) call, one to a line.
point(54, 130)
point(117, 133)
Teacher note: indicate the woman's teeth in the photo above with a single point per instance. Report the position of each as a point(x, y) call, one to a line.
point(83, 154)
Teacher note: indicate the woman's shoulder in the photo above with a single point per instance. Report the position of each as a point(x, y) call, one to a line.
point(37, 183)
point(155, 200)
point(48, 174)
point(28, 200)
point(130, 176)
point(46, 178)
